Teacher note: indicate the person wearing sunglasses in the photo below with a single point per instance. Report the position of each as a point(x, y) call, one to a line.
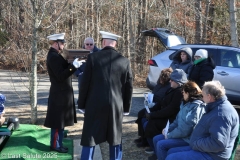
point(88, 45)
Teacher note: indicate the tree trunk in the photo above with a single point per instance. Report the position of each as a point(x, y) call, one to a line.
point(205, 24)
point(33, 79)
point(233, 23)
point(210, 23)
point(198, 23)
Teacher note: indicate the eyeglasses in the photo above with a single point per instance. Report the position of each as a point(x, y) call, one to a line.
point(88, 44)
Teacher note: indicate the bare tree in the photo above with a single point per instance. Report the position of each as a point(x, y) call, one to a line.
point(198, 19)
point(233, 22)
point(205, 24)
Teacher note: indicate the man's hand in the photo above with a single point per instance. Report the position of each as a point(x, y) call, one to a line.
point(77, 63)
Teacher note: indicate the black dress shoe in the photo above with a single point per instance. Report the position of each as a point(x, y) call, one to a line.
point(59, 150)
point(65, 148)
point(139, 140)
point(139, 145)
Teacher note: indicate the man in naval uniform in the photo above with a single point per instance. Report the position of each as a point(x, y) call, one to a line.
point(105, 96)
point(61, 110)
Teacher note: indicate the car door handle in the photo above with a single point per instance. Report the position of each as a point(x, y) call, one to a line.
point(223, 73)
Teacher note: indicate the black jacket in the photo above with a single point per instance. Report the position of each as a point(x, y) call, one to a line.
point(202, 72)
point(61, 110)
point(105, 94)
point(164, 110)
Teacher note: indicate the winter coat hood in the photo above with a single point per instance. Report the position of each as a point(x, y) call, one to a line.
point(177, 55)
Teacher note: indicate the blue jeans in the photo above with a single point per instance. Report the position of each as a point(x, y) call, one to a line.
point(183, 153)
point(149, 140)
point(162, 145)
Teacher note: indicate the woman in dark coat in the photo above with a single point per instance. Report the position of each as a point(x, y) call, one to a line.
point(202, 70)
point(61, 110)
point(159, 91)
point(167, 108)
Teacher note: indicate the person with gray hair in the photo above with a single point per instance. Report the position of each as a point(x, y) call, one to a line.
point(214, 135)
point(88, 45)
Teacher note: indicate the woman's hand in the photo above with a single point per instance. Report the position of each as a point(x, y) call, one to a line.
point(163, 131)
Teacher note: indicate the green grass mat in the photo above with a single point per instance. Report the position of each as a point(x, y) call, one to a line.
point(32, 142)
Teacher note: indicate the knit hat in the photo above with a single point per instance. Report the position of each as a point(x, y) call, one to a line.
point(2, 101)
point(179, 76)
point(202, 53)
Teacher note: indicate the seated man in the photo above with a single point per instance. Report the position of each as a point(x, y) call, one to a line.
point(214, 135)
point(2, 101)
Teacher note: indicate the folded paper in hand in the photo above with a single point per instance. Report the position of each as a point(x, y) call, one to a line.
point(166, 128)
point(150, 98)
point(147, 109)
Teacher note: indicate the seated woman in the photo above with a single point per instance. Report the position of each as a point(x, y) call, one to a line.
point(2, 101)
point(202, 70)
point(182, 59)
point(162, 86)
point(159, 90)
point(166, 109)
point(191, 110)
point(214, 136)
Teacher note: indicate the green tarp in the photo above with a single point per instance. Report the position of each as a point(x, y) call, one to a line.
point(32, 142)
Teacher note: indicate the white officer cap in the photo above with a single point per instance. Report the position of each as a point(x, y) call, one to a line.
point(57, 37)
point(108, 35)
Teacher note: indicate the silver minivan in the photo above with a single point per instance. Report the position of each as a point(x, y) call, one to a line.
point(226, 58)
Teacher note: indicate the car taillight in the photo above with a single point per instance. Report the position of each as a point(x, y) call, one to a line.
point(152, 63)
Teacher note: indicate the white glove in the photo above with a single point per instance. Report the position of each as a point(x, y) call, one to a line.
point(77, 63)
point(126, 113)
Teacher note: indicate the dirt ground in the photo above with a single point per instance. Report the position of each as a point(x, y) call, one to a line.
point(130, 151)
